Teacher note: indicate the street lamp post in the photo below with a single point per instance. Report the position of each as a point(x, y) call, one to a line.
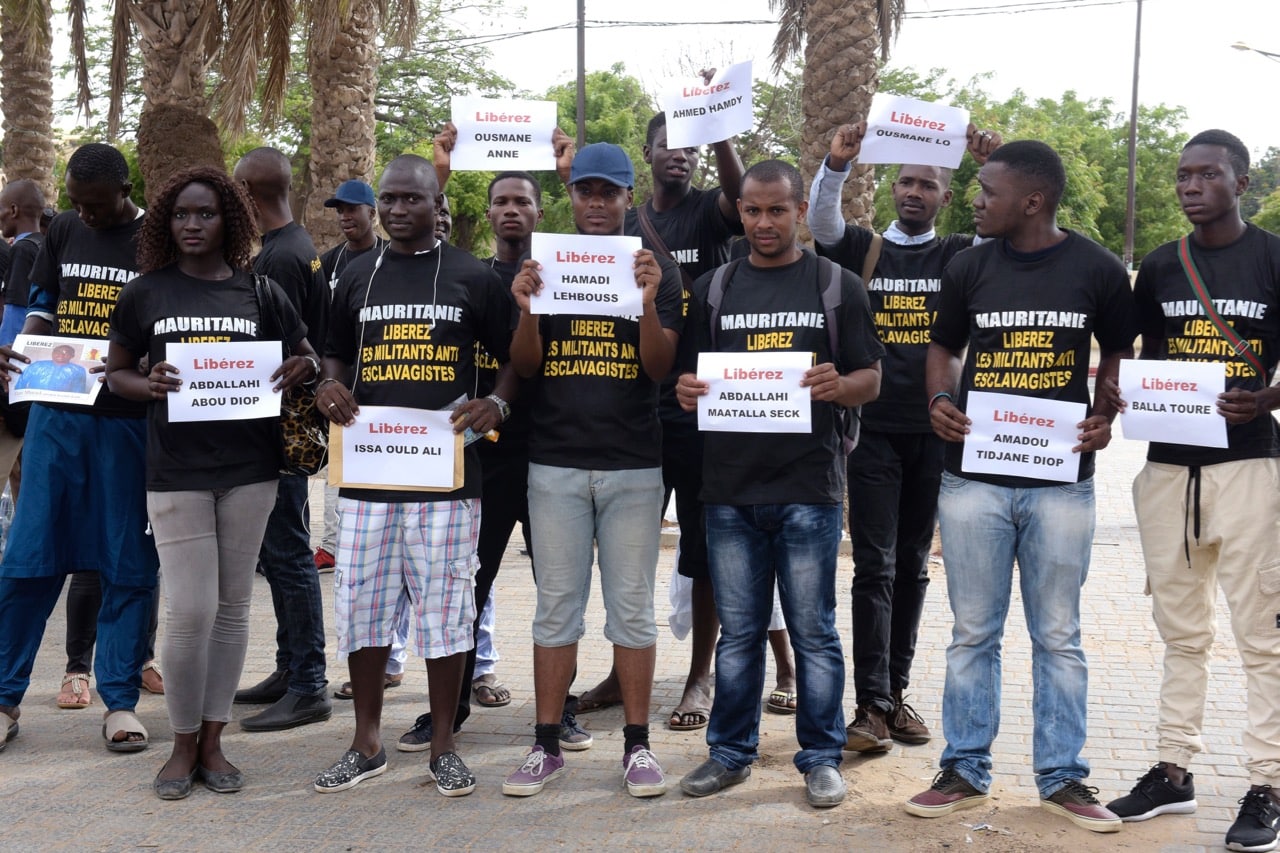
point(1274, 57)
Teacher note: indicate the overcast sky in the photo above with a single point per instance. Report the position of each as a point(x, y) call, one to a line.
point(1085, 45)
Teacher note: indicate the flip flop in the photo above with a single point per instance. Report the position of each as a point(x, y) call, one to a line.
point(781, 702)
point(10, 729)
point(390, 681)
point(586, 706)
point(81, 698)
point(127, 722)
point(688, 721)
point(490, 693)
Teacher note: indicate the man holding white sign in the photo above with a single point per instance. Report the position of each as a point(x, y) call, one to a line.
point(895, 470)
point(773, 499)
point(1025, 305)
point(402, 333)
point(595, 476)
point(1210, 513)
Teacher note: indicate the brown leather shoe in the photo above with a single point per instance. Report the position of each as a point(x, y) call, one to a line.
point(905, 725)
point(868, 732)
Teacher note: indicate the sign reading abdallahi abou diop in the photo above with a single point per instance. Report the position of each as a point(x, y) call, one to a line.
point(921, 133)
point(500, 134)
point(699, 113)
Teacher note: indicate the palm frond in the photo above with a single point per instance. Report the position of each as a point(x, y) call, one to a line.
point(77, 13)
point(889, 23)
point(246, 21)
point(279, 20)
point(30, 20)
point(399, 22)
point(790, 38)
point(118, 77)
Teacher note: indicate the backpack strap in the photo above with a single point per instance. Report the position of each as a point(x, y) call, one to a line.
point(872, 258)
point(715, 295)
point(830, 302)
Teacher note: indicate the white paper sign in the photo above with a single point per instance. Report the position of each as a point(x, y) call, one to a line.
point(1173, 401)
point(1019, 436)
point(754, 392)
point(224, 381)
point(497, 134)
point(393, 446)
point(59, 370)
point(700, 113)
point(586, 274)
point(919, 133)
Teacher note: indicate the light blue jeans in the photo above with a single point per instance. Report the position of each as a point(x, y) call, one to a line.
point(620, 512)
point(1049, 530)
point(748, 548)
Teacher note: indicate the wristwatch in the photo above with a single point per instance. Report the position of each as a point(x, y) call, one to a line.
point(504, 408)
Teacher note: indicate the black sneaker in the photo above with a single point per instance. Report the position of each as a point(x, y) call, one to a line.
point(573, 736)
point(418, 738)
point(1155, 794)
point(1255, 828)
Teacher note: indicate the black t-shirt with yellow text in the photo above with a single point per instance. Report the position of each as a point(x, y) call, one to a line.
point(408, 327)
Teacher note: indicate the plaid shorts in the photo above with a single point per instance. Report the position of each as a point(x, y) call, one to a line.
point(406, 559)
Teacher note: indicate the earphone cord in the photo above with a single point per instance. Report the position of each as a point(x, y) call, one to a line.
point(377, 265)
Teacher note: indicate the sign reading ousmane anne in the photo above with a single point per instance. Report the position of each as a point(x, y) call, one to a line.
point(906, 130)
point(699, 113)
point(586, 274)
point(500, 134)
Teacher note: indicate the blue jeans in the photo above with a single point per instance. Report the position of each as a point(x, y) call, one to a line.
point(748, 548)
point(295, 589)
point(620, 512)
point(1049, 530)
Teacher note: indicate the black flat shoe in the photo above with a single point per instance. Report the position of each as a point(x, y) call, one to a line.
point(291, 711)
point(174, 789)
point(270, 689)
point(221, 783)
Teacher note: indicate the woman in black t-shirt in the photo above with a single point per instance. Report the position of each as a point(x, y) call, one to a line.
point(210, 484)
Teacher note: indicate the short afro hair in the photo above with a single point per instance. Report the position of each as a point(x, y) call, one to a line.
point(774, 171)
point(98, 163)
point(1237, 153)
point(1036, 162)
point(517, 176)
point(656, 124)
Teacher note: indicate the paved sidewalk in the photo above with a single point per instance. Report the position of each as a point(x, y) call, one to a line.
point(60, 789)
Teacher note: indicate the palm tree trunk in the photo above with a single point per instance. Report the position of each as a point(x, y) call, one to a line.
point(841, 73)
point(26, 65)
point(343, 71)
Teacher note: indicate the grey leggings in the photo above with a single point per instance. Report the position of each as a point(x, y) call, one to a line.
point(208, 544)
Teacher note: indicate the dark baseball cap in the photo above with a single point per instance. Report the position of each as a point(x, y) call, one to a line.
point(353, 192)
point(603, 160)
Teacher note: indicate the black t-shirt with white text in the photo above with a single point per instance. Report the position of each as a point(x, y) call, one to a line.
point(334, 261)
point(780, 309)
point(409, 331)
point(168, 306)
point(903, 292)
point(1243, 280)
point(1028, 323)
point(593, 405)
point(513, 434)
point(81, 271)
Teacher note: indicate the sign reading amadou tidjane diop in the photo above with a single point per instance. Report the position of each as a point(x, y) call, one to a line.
point(919, 133)
point(500, 134)
point(699, 113)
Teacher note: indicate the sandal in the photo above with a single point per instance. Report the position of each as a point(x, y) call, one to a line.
point(78, 696)
point(689, 721)
point(344, 692)
point(8, 729)
point(127, 723)
point(781, 702)
point(490, 693)
point(152, 678)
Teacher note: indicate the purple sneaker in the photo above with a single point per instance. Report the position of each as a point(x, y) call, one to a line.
point(643, 774)
point(538, 769)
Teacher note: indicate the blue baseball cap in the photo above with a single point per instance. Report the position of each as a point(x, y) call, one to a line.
point(603, 160)
point(353, 192)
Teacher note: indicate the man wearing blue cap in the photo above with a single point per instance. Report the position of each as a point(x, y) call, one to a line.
point(595, 474)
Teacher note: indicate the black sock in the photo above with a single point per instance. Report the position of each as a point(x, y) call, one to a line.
point(634, 736)
point(547, 736)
